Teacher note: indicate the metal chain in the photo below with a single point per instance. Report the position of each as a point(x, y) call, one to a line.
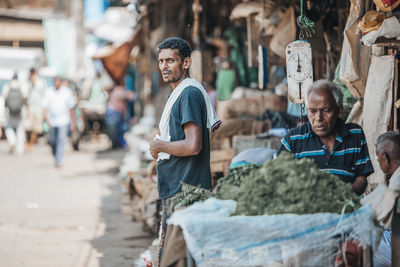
point(301, 34)
point(302, 112)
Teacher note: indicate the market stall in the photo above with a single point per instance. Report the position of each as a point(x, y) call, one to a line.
point(246, 49)
point(257, 215)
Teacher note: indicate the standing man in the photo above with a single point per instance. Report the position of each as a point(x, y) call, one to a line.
point(14, 101)
point(34, 120)
point(336, 147)
point(183, 147)
point(58, 107)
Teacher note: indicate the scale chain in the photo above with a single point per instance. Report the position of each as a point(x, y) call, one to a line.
point(302, 106)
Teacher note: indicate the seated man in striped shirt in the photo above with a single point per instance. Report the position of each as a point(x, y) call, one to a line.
point(336, 147)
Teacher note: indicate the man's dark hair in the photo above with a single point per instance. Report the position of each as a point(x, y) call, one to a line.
point(32, 70)
point(389, 143)
point(176, 43)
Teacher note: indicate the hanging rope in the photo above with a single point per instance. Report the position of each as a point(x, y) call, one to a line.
point(305, 24)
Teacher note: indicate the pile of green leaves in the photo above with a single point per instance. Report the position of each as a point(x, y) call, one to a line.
point(189, 195)
point(282, 185)
point(229, 185)
point(289, 185)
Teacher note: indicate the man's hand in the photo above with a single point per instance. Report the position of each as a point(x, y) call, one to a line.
point(155, 148)
point(73, 126)
point(359, 185)
point(190, 146)
point(73, 122)
point(47, 118)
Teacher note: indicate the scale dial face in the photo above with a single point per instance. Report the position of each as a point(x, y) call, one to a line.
point(299, 66)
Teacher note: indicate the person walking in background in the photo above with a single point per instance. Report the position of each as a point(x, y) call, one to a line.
point(97, 94)
point(115, 115)
point(58, 104)
point(34, 119)
point(14, 101)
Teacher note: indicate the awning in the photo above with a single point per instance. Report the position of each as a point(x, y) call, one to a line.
point(21, 31)
point(116, 59)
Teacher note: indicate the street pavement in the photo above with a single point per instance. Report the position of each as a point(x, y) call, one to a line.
point(73, 216)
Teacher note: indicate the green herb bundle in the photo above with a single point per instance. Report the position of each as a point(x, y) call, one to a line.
point(228, 186)
point(189, 195)
point(289, 185)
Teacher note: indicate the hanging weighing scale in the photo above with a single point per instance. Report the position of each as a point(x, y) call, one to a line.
point(299, 70)
point(299, 63)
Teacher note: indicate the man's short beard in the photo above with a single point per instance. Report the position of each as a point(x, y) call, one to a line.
point(174, 80)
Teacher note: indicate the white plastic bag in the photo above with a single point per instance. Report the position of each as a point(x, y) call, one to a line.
point(215, 239)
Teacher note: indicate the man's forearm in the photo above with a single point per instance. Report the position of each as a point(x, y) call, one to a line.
point(72, 115)
point(190, 146)
point(182, 148)
point(359, 185)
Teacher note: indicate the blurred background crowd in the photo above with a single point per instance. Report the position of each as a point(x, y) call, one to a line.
point(51, 44)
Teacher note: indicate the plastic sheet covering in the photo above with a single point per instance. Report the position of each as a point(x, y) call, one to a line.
point(215, 239)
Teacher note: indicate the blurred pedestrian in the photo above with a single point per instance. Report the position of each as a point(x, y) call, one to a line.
point(58, 104)
point(115, 115)
point(34, 119)
point(97, 94)
point(94, 112)
point(14, 104)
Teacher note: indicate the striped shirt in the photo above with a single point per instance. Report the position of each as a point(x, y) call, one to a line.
point(348, 159)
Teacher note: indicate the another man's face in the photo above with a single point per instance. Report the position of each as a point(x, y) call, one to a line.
point(322, 113)
point(383, 163)
point(171, 65)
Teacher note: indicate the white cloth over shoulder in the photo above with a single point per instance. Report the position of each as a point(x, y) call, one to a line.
point(394, 182)
point(212, 119)
point(383, 199)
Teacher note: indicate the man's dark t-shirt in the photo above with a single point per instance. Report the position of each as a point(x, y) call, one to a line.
point(195, 170)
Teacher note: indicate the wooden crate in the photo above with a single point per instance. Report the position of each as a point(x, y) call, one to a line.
point(218, 158)
point(243, 142)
